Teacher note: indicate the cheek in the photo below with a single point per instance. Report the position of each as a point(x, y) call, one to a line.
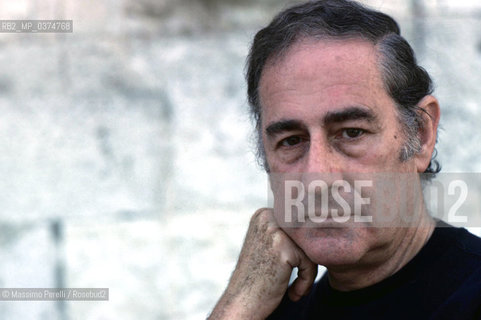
point(286, 163)
point(383, 156)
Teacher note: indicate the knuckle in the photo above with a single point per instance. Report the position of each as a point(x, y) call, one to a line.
point(262, 217)
point(261, 214)
point(280, 241)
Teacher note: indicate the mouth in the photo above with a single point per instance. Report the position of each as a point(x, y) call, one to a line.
point(332, 215)
point(329, 222)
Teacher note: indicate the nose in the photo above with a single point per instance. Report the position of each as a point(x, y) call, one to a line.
point(322, 161)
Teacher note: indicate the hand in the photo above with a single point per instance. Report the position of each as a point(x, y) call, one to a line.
point(263, 270)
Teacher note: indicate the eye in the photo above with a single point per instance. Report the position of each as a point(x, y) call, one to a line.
point(290, 141)
point(352, 133)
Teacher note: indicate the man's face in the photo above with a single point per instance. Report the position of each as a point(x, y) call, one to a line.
point(325, 110)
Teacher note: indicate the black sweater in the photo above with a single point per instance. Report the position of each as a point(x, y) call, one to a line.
point(443, 281)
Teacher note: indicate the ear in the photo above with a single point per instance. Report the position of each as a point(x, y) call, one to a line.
point(428, 132)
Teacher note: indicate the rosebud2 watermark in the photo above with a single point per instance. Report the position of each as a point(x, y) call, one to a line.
point(374, 199)
point(325, 211)
point(54, 294)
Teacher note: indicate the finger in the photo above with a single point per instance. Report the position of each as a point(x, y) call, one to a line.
point(306, 274)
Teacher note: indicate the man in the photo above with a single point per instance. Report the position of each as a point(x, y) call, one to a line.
point(337, 94)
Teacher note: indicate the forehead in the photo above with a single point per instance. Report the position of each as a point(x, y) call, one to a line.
point(319, 75)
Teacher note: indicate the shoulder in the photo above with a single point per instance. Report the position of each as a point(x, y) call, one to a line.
point(461, 261)
point(464, 302)
point(458, 242)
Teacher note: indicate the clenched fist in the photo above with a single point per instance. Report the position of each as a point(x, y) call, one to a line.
point(263, 270)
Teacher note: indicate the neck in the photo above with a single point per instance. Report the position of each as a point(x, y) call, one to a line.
point(385, 261)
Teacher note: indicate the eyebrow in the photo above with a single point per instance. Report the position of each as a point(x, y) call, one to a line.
point(347, 114)
point(284, 125)
point(350, 113)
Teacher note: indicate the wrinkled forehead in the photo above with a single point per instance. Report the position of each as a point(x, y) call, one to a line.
point(324, 61)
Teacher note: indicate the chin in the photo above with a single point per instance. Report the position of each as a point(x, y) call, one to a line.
point(332, 247)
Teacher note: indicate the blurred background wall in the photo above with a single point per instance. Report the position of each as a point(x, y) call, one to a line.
point(126, 149)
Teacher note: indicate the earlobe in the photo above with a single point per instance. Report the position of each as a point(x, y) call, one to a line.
point(430, 112)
